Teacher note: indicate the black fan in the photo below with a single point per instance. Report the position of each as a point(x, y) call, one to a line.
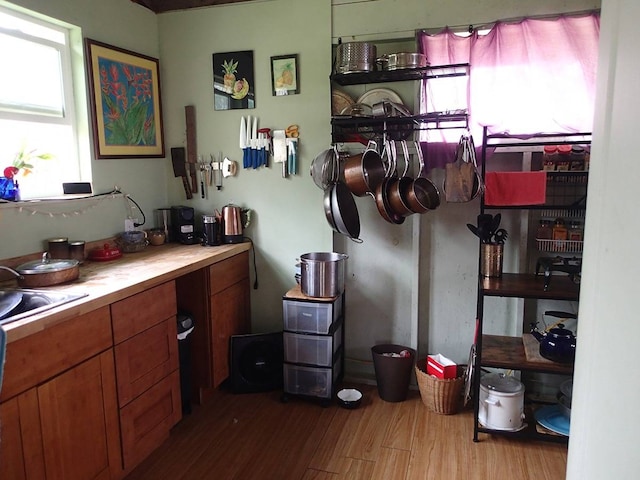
point(256, 362)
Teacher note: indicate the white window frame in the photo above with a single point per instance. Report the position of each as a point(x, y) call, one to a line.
point(72, 73)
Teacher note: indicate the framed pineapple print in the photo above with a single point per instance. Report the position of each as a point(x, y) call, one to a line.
point(284, 75)
point(233, 80)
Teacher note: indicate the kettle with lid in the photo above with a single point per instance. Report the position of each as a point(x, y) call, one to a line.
point(234, 221)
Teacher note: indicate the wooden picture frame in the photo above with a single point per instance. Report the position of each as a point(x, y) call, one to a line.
point(125, 103)
point(284, 75)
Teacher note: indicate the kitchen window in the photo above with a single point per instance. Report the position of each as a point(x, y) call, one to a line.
point(39, 124)
point(526, 77)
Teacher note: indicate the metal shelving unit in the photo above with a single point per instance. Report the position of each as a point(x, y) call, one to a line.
point(346, 127)
point(508, 352)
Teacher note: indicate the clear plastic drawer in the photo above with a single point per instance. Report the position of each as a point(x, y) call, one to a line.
point(312, 349)
point(310, 381)
point(311, 317)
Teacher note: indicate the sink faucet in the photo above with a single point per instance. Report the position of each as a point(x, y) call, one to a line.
point(18, 276)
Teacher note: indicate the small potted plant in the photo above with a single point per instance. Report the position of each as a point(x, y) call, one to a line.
point(22, 165)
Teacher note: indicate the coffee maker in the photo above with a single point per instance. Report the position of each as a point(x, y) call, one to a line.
point(210, 230)
point(182, 224)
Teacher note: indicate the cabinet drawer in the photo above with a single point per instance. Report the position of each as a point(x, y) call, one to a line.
point(228, 272)
point(311, 381)
point(311, 317)
point(145, 359)
point(143, 310)
point(39, 357)
point(146, 421)
point(312, 349)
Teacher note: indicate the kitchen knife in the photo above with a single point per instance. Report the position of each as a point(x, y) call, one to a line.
point(247, 142)
point(243, 141)
point(254, 141)
point(178, 159)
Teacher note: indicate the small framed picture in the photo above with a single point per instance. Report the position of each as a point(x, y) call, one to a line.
point(284, 75)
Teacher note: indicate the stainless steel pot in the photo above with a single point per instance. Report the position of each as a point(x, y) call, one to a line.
point(354, 57)
point(322, 274)
point(396, 61)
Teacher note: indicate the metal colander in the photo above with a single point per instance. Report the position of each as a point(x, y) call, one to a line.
point(354, 57)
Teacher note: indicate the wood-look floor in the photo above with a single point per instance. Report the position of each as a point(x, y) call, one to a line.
point(256, 436)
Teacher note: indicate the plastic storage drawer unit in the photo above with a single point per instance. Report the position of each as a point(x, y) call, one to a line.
point(312, 349)
point(311, 317)
point(311, 381)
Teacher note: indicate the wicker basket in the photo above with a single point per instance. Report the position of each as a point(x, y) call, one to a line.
point(440, 396)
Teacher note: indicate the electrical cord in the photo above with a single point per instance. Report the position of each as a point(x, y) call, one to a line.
point(255, 268)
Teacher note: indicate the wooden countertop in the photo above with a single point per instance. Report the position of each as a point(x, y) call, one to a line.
point(108, 282)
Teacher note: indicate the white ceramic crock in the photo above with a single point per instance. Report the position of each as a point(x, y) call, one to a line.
point(501, 402)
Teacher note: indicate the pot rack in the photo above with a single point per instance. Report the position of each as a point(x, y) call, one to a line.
point(344, 127)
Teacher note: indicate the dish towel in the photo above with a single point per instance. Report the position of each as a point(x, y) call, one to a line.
point(515, 188)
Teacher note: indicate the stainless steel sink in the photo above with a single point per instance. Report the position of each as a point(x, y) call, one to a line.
point(17, 303)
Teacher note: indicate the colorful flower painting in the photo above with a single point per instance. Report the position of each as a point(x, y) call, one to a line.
point(126, 101)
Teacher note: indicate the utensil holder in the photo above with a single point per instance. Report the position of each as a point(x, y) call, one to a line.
point(491, 259)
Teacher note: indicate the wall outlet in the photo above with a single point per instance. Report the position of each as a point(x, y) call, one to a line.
point(129, 224)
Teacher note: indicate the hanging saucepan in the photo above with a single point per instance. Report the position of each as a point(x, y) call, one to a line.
point(397, 186)
point(381, 196)
point(365, 171)
point(421, 195)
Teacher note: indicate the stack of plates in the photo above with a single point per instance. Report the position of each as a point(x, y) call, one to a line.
point(377, 95)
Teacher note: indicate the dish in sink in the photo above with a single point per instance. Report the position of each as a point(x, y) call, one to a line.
point(19, 303)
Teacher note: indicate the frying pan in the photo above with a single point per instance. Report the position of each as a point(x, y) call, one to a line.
point(345, 211)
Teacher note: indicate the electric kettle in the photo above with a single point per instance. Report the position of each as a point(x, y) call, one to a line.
point(234, 221)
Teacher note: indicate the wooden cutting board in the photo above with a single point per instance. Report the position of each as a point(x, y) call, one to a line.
point(532, 349)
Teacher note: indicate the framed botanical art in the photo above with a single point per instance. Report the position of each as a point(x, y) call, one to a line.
point(125, 102)
point(233, 80)
point(284, 75)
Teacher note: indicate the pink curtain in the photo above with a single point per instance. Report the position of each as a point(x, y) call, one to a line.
point(533, 76)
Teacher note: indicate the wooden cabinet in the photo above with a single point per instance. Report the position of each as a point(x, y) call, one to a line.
point(218, 298)
point(146, 362)
point(60, 421)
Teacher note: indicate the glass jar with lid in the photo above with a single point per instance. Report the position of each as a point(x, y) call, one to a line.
point(549, 157)
point(544, 231)
point(575, 231)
